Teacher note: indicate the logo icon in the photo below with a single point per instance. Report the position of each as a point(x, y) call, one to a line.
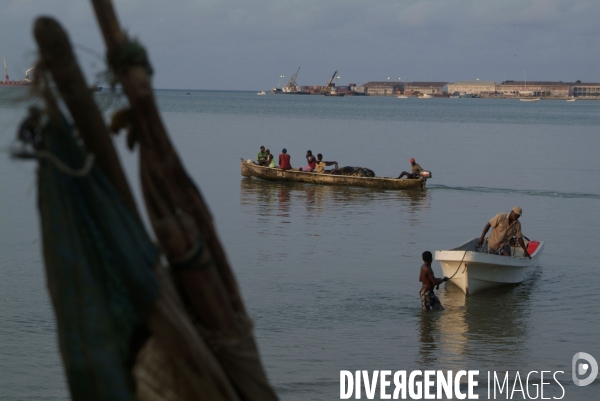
point(581, 368)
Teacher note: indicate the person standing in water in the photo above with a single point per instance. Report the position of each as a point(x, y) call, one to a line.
point(429, 300)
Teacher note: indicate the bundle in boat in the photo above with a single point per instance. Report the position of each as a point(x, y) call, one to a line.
point(353, 171)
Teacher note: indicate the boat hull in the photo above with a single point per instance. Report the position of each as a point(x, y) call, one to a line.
point(276, 174)
point(475, 271)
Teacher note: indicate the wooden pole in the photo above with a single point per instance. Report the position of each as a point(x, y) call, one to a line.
point(57, 55)
point(137, 86)
point(177, 212)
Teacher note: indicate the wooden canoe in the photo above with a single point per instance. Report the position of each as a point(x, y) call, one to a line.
point(276, 174)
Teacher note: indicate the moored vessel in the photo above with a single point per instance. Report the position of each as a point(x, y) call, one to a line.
point(472, 269)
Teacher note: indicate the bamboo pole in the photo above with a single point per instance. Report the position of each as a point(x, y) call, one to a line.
point(178, 213)
point(137, 86)
point(176, 358)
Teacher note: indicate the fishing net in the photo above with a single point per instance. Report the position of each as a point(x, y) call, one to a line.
point(124, 333)
point(129, 328)
point(99, 264)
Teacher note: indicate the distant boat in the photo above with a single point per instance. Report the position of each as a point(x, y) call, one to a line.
point(572, 99)
point(249, 169)
point(426, 96)
point(262, 93)
point(333, 92)
point(402, 97)
point(529, 99)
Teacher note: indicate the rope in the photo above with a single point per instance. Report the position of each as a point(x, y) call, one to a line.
point(130, 54)
point(458, 268)
point(63, 168)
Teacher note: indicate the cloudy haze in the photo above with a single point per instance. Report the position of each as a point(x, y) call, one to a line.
point(247, 45)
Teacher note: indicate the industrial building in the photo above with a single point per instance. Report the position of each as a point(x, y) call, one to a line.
point(425, 88)
point(585, 90)
point(380, 88)
point(533, 88)
point(472, 87)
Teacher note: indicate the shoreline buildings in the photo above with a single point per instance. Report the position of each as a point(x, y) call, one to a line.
point(545, 89)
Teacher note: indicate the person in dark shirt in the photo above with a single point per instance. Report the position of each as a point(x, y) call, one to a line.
point(415, 170)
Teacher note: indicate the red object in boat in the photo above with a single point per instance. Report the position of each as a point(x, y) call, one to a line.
point(532, 246)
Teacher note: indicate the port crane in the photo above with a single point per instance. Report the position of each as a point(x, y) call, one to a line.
point(292, 86)
point(327, 87)
point(27, 74)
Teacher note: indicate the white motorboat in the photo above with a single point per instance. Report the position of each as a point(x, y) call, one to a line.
point(573, 99)
point(472, 269)
point(402, 97)
point(426, 96)
point(529, 99)
point(261, 93)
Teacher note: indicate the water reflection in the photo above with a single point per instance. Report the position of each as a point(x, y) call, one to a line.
point(488, 328)
point(267, 196)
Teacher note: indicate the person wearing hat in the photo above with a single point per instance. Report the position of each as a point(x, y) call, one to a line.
point(504, 227)
point(416, 170)
point(284, 160)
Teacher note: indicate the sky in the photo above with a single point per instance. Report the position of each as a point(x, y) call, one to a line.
point(248, 45)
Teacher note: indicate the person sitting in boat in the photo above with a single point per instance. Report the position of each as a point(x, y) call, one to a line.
point(322, 164)
point(504, 227)
point(261, 157)
point(416, 170)
point(429, 300)
point(312, 162)
point(270, 160)
point(284, 160)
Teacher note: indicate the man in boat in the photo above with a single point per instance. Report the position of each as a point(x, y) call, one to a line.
point(416, 170)
point(429, 300)
point(322, 164)
point(270, 160)
point(504, 227)
point(284, 160)
point(261, 157)
point(312, 162)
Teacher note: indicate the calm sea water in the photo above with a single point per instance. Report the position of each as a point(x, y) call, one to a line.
point(330, 275)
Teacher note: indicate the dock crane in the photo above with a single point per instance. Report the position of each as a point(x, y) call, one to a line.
point(292, 86)
point(5, 71)
point(27, 74)
point(327, 87)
